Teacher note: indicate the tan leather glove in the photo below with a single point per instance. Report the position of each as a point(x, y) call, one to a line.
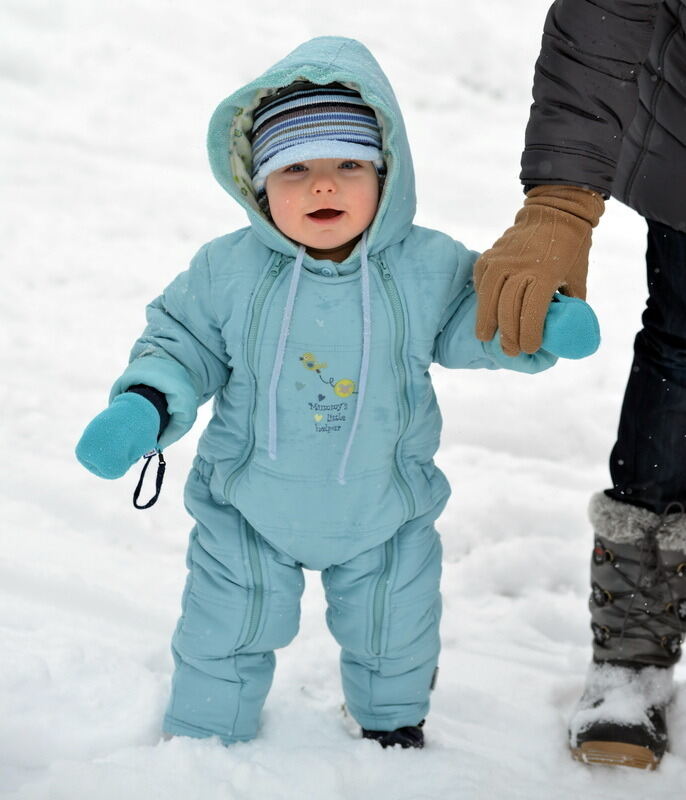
point(545, 250)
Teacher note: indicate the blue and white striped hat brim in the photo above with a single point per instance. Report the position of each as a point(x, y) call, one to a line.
point(309, 150)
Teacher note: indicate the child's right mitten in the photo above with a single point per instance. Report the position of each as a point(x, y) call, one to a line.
point(119, 436)
point(571, 328)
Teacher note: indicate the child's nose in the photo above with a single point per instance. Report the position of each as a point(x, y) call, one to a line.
point(323, 185)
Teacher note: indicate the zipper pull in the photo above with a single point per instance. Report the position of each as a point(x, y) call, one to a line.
point(276, 268)
point(385, 272)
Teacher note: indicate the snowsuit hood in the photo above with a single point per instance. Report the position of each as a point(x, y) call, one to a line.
point(323, 60)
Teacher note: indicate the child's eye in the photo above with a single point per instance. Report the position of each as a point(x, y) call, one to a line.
point(295, 168)
point(348, 165)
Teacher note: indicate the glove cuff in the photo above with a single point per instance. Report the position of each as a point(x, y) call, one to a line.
point(583, 203)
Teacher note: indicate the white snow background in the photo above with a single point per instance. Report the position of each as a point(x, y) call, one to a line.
point(106, 194)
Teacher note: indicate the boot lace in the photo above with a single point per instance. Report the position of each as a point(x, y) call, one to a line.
point(642, 607)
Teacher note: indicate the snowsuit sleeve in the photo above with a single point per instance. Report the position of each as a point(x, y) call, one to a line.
point(585, 90)
point(456, 345)
point(181, 352)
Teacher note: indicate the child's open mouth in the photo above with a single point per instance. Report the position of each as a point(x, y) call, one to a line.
point(325, 214)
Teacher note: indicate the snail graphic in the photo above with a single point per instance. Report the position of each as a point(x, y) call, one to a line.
point(344, 387)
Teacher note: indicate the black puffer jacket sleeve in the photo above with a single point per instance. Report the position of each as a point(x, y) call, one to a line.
point(585, 90)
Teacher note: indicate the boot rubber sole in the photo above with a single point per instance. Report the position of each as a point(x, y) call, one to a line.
point(616, 754)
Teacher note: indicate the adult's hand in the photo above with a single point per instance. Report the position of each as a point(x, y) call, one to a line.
point(546, 250)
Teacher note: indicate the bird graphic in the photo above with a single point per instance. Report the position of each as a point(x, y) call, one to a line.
point(311, 363)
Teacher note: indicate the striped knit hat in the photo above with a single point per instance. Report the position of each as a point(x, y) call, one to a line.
point(305, 121)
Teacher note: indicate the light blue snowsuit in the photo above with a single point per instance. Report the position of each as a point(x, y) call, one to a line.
point(302, 465)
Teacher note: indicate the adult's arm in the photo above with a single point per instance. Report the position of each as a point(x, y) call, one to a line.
point(585, 91)
point(585, 95)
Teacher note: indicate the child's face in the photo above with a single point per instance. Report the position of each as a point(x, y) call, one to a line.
point(323, 203)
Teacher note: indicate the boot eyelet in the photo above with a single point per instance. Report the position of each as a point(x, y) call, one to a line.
point(601, 596)
point(601, 633)
point(601, 554)
point(672, 644)
point(598, 553)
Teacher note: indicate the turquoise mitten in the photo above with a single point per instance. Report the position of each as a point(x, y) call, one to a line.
point(119, 436)
point(571, 328)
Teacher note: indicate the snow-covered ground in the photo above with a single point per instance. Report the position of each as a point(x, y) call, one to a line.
point(106, 195)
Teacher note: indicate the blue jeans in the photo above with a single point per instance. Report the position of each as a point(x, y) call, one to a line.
point(648, 461)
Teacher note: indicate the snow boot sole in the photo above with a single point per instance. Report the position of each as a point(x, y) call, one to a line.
point(616, 754)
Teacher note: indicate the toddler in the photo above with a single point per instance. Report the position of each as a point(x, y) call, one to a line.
point(314, 329)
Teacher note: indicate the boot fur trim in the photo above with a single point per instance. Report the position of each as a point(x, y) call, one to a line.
point(626, 524)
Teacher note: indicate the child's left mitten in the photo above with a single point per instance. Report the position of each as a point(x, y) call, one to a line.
point(119, 436)
point(571, 328)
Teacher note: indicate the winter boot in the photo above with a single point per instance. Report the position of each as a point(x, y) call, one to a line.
point(409, 736)
point(638, 615)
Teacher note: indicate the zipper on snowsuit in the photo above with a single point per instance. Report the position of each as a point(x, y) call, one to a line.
point(258, 305)
point(379, 602)
point(258, 584)
point(380, 590)
point(396, 306)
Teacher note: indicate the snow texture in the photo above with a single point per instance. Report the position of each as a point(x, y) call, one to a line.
point(106, 196)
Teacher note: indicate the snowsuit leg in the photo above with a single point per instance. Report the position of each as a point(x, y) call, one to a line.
point(384, 608)
point(240, 603)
